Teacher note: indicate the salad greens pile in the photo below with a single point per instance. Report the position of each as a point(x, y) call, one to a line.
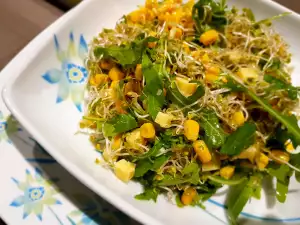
point(186, 98)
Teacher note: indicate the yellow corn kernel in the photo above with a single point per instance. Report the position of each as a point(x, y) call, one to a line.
point(106, 64)
point(213, 69)
point(186, 48)
point(227, 172)
point(116, 144)
point(247, 73)
point(151, 4)
point(205, 58)
point(124, 170)
point(175, 32)
point(209, 37)
point(164, 119)
point(188, 196)
point(261, 161)
point(195, 54)
point(238, 118)
point(116, 74)
point(100, 79)
point(202, 151)
point(250, 153)
point(137, 16)
point(98, 147)
point(191, 130)
point(138, 72)
point(187, 89)
point(147, 130)
point(280, 156)
point(289, 146)
point(210, 78)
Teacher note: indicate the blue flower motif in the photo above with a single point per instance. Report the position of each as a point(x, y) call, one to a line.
point(72, 75)
point(8, 126)
point(37, 193)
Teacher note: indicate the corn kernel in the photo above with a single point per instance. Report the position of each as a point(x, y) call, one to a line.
point(247, 73)
point(280, 156)
point(137, 16)
point(188, 196)
point(186, 48)
point(261, 161)
point(191, 130)
point(138, 72)
point(134, 139)
point(124, 170)
point(210, 78)
point(100, 79)
point(108, 158)
point(187, 89)
point(98, 147)
point(175, 32)
point(116, 144)
point(209, 37)
point(213, 69)
point(202, 151)
point(238, 118)
point(151, 4)
point(227, 172)
point(164, 119)
point(289, 146)
point(147, 130)
point(106, 64)
point(116, 74)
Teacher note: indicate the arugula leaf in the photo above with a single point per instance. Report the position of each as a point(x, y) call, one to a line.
point(278, 84)
point(209, 13)
point(152, 152)
point(295, 161)
point(239, 140)
point(190, 168)
point(214, 134)
point(126, 55)
point(178, 201)
point(290, 122)
point(233, 181)
point(282, 174)
point(142, 167)
point(239, 195)
point(145, 165)
point(119, 124)
point(177, 98)
point(154, 87)
point(148, 194)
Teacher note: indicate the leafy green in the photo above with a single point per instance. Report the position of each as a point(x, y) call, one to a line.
point(239, 140)
point(233, 181)
point(239, 195)
point(290, 122)
point(209, 14)
point(214, 134)
point(154, 87)
point(190, 168)
point(145, 165)
point(174, 95)
point(178, 201)
point(152, 152)
point(295, 161)
point(119, 124)
point(277, 84)
point(127, 55)
point(269, 20)
point(282, 174)
point(148, 194)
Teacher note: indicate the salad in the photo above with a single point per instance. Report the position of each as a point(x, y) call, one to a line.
point(186, 98)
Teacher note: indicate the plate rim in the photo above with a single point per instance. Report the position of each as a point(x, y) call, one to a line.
point(26, 56)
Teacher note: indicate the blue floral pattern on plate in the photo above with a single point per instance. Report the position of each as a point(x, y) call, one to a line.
point(7, 127)
point(72, 75)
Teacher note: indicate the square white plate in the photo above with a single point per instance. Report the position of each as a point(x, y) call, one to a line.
point(44, 95)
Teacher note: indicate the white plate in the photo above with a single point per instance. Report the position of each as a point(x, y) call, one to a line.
point(36, 94)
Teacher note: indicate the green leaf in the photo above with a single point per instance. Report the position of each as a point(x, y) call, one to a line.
point(290, 122)
point(295, 161)
point(148, 194)
point(277, 84)
point(152, 152)
point(142, 167)
point(239, 195)
point(190, 168)
point(178, 99)
point(239, 140)
point(209, 13)
point(214, 134)
point(119, 124)
point(159, 161)
point(153, 88)
point(235, 180)
point(178, 201)
point(282, 174)
point(127, 55)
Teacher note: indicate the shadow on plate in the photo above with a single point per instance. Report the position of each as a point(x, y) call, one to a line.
point(91, 209)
